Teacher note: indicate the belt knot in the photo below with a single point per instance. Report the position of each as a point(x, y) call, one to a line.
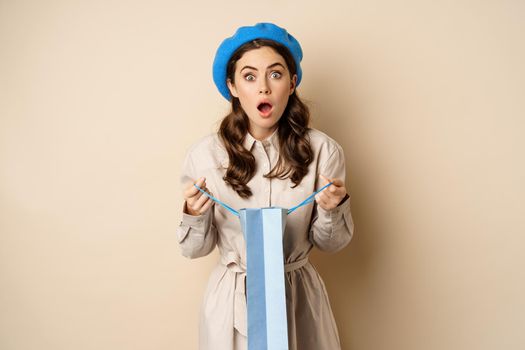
point(233, 262)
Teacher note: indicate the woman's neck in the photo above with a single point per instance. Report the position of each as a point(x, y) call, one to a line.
point(261, 135)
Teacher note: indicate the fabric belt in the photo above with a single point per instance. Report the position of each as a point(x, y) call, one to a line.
point(233, 263)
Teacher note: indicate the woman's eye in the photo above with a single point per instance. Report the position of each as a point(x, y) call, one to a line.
point(275, 75)
point(249, 77)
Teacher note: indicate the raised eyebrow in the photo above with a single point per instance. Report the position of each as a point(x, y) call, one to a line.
point(270, 66)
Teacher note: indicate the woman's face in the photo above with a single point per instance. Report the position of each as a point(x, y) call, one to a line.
point(263, 85)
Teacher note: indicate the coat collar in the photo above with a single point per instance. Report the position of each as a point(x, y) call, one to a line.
point(272, 140)
point(249, 142)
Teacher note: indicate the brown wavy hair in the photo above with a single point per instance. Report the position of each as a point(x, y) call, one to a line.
point(295, 152)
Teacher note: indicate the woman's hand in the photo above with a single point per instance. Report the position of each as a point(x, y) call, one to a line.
point(331, 197)
point(196, 202)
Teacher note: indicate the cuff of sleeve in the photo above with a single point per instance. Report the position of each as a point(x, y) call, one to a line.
point(333, 221)
point(196, 219)
point(197, 224)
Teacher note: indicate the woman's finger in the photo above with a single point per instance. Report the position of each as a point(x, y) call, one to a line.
point(335, 182)
point(338, 182)
point(192, 191)
point(325, 179)
point(338, 192)
point(330, 200)
point(336, 198)
point(208, 202)
point(328, 194)
point(206, 206)
point(200, 202)
point(320, 199)
point(194, 198)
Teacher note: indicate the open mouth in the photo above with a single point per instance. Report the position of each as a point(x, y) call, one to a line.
point(264, 107)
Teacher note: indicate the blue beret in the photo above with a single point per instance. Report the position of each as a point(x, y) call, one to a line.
point(244, 35)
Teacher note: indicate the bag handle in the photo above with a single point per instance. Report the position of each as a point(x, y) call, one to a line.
point(236, 213)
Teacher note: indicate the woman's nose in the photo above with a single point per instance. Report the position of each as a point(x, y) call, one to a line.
point(263, 89)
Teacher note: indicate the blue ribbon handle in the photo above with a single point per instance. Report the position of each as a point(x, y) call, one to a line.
point(309, 199)
point(226, 206)
point(236, 213)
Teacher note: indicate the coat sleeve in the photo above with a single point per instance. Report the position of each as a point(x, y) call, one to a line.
point(196, 234)
point(331, 230)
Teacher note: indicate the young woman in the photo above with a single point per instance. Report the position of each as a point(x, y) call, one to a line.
point(264, 154)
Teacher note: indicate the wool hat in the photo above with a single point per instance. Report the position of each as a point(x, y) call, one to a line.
point(248, 33)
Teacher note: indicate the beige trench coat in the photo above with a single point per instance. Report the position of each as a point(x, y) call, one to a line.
point(311, 325)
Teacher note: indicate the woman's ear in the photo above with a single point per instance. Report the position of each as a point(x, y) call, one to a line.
point(231, 87)
point(293, 82)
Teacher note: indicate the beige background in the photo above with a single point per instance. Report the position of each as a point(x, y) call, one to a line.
point(100, 99)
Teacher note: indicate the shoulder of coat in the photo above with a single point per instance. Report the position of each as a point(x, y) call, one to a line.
point(319, 140)
point(208, 148)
